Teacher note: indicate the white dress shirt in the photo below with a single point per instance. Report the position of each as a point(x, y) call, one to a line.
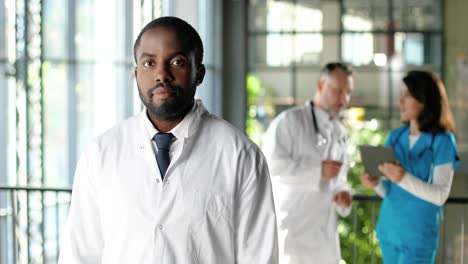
point(214, 205)
point(307, 214)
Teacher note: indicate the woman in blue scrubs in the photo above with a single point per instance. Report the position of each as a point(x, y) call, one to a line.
point(415, 188)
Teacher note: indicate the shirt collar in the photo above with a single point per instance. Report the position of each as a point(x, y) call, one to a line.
point(187, 127)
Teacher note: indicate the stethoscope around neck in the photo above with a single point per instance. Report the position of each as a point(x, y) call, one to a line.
point(321, 139)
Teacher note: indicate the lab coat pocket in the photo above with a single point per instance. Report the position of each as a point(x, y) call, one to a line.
point(210, 229)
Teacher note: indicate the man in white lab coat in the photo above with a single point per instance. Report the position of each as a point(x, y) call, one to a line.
point(173, 184)
point(305, 147)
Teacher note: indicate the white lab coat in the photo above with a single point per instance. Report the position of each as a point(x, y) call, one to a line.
point(214, 205)
point(307, 220)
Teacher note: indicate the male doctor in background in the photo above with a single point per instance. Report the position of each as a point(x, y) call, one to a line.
point(305, 147)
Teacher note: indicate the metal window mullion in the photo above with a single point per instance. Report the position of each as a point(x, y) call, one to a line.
point(128, 46)
point(35, 125)
point(354, 231)
point(294, 62)
point(4, 132)
point(14, 221)
point(28, 227)
point(371, 232)
point(44, 259)
point(71, 96)
point(341, 33)
point(389, 68)
point(24, 66)
point(42, 147)
point(57, 223)
point(462, 236)
point(344, 31)
point(442, 43)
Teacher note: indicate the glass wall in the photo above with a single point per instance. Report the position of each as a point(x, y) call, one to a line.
point(66, 75)
point(290, 40)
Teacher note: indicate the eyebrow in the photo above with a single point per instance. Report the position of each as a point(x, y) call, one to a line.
point(147, 54)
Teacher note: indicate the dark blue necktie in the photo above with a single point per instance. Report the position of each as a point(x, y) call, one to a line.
point(163, 141)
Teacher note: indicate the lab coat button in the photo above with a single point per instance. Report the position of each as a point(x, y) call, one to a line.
point(160, 227)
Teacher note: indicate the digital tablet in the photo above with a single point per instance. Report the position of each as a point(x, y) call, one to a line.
point(373, 156)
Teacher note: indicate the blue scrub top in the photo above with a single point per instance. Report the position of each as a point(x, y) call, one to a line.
point(405, 219)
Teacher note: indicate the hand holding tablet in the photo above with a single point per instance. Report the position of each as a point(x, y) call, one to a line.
point(373, 156)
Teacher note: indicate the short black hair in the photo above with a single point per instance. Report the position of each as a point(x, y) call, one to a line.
point(332, 66)
point(187, 34)
point(424, 87)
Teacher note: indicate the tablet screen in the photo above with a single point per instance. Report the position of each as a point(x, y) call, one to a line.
point(373, 156)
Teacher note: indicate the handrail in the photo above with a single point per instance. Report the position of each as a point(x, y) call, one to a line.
point(358, 197)
point(375, 198)
point(35, 188)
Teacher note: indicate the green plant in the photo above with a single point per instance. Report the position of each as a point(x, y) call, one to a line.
point(357, 231)
point(260, 108)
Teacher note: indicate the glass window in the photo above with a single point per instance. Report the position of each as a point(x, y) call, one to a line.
point(417, 14)
point(418, 49)
point(55, 29)
point(85, 40)
point(289, 41)
point(308, 48)
point(361, 48)
point(55, 124)
point(268, 15)
point(276, 83)
point(285, 49)
point(78, 83)
point(306, 80)
point(373, 14)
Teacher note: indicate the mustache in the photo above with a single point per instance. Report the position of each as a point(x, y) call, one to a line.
point(164, 87)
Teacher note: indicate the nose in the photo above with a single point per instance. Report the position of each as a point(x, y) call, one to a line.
point(163, 74)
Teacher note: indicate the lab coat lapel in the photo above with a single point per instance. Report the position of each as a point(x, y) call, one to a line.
point(190, 140)
point(145, 148)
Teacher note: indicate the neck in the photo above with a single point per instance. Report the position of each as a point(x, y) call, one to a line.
point(163, 126)
point(166, 125)
point(414, 127)
point(318, 103)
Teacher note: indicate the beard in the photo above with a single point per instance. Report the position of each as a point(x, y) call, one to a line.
point(175, 108)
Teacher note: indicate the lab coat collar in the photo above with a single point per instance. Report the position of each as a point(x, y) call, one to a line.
point(322, 115)
point(185, 129)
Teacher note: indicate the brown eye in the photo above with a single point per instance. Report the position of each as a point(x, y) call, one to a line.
point(148, 63)
point(177, 62)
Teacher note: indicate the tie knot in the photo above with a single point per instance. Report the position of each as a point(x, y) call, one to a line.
point(163, 140)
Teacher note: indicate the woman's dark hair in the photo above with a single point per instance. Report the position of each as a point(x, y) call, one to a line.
point(426, 88)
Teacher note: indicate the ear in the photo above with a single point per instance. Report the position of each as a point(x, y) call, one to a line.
point(200, 74)
point(320, 85)
point(136, 72)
